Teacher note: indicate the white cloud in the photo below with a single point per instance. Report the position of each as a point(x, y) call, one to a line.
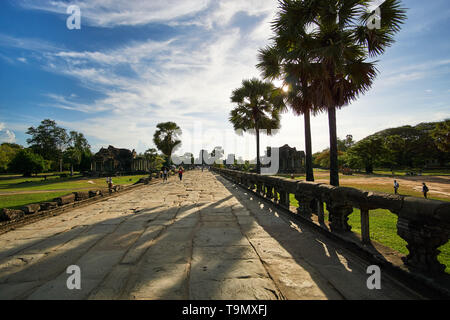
point(6, 135)
point(110, 13)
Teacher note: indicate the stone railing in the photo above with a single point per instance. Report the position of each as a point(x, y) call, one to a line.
point(423, 224)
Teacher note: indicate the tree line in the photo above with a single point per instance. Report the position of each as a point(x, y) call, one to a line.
point(396, 148)
point(51, 148)
point(324, 53)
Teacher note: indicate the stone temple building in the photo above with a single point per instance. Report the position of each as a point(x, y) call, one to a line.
point(290, 160)
point(113, 160)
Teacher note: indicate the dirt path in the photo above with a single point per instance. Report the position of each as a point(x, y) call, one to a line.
point(438, 185)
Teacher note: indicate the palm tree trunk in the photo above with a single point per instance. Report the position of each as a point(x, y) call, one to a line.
point(308, 159)
point(258, 163)
point(334, 166)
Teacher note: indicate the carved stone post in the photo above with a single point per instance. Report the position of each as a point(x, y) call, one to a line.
point(284, 200)
point(259, 187)
point(365, 229)
point(304, 205)
point(423, 242)
point(269, 192)
point(339, 213)
point(275, 195)
point(320, 212)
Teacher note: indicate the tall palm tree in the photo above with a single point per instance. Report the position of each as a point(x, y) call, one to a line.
point(166, 138)
point(339, 43)
point(259, 105)
point(278, 62)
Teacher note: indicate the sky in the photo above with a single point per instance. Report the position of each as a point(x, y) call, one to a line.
point(135, 63)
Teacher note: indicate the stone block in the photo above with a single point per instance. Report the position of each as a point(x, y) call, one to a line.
point(10, 214)
point(94, 193)
point(65, 199)
point(31, 208)
point(49, 205)
point(81, 195)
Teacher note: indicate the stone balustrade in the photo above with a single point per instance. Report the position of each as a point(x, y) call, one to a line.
point(424, 224)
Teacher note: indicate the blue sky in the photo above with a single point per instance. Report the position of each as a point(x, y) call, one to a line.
point(136, 63)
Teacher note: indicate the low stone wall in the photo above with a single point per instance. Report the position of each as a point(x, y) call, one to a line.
point(424, 224)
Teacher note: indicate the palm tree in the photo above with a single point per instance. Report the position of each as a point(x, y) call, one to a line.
point(334, 35)
point(259, 105)
point(277, 62)
point(166, 138)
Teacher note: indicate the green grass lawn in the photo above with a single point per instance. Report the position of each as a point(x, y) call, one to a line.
point(12, 184)
point(18, 200)
point(70, 183)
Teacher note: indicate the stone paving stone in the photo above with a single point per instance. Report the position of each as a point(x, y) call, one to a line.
point(219, 237)
point(223, 253)
point(57, 290)
point(164, 252)
point(112, 287)
point(13, 264)
point(160, 282)
point(297, 283)
point(142, 244)
point(11, 291)
point(211, 268)
point(233, 289)
point(97, 263)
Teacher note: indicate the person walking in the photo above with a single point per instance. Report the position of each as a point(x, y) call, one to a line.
point(180, 173)
point(425, 190)
point(396, 186)
point(165, 174)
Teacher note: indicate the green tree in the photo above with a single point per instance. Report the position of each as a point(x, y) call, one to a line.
point(409, 146)
point(296, 71)
point(441, 136)
point(259, 105)
point(345, 144)
point(48, 140)
point(166, 138)
point(78, 153)
point(322, 159)
point(27, 162)
point(156, 161)
point(340, 42)
point(7, 152)
point(72, 156)
point(367, 153)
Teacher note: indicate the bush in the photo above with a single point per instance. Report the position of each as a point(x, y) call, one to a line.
point(27, 163)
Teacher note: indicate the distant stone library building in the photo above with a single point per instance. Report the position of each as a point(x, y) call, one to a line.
point(290, 160)
point(118, 160)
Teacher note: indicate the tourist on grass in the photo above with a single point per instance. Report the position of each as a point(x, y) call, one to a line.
point(425, 190)
point(396, 186)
